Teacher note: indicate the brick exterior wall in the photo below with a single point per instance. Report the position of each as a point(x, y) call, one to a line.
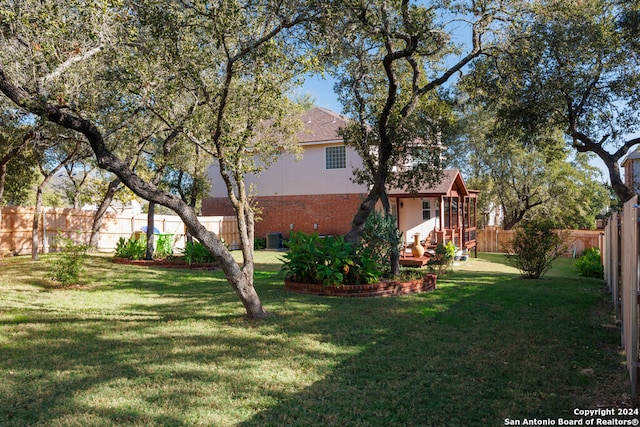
point(332, 213)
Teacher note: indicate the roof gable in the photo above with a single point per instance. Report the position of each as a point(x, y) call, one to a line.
point(451, 180)
point(634, 155)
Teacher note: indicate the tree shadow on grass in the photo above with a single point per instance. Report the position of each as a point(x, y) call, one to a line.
point(474, 352)
point(484, 354)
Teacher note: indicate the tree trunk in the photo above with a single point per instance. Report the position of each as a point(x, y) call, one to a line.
point(360, 218)
point(3, 179)
point(394, 257)
point(584, 144)
point(94, 239)
point(150, 227)
point(238, 278)
point(35, 232)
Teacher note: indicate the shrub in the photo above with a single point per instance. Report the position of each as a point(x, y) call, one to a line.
point(381, 237)
point(133, 248)
point(534, 247)
point(67, 265)
point(196, 252)
point(589, 264)
point(441, 261)
point(328, 261)
point(164, 245)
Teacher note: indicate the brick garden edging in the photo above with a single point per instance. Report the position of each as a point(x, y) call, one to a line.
point(381, 289)
point(167, 263)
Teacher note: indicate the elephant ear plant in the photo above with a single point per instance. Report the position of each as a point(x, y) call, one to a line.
point(329, 261)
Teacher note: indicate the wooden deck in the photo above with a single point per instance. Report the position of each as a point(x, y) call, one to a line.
point(408, 260)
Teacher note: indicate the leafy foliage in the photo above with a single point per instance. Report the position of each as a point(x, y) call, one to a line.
point(589, 264)
point(526, 179)
point(330, 261)
point(534, 247)
point(196, 252)
point(133, 248)
point(164, 245)
point(68, 264)
point(442, 259)
point(569, 66)
point(381, 236)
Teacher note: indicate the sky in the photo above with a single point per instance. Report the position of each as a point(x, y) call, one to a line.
point(321, 89)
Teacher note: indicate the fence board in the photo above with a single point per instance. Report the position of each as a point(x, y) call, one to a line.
point(629, 258)
point(611, 258)
point(16, 224)
point(493, 239)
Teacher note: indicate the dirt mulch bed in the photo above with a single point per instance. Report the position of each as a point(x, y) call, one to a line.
point(168, 263)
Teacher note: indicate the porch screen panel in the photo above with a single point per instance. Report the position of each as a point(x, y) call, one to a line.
point(454, 212)
point(466, 212)
point(447, 211)
point(472, 207)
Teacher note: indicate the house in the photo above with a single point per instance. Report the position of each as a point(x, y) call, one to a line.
point(317, 194)
point(631, 165)
point(441, 213)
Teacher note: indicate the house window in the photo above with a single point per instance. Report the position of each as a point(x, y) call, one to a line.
point(335, 157)
point(426, 210)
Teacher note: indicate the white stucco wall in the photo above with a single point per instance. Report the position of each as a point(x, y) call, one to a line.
point(410, 218)
point(308, 176)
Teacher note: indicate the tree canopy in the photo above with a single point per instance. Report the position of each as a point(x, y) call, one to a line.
point(573, 66)
point(523, 181)
point(126, 76)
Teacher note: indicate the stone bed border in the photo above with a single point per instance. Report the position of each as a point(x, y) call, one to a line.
point(381, 289)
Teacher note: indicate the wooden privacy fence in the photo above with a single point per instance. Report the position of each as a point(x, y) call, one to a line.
point(16, 225)
point(493, 239)
point(621, 270)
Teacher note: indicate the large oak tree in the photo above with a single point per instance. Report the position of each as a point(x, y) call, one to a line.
point(216, 74)
point(573, 66)
point(390, 59)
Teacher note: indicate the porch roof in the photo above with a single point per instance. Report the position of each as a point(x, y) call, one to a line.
point(451, 180)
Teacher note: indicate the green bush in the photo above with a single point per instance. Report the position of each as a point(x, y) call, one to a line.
point(133, 248)
point(381, 237)
point(196, 252)
point(67, 265)
point(534, 247)
point(589, 264)
point(329, 261)
point(440, 263)
point(164, 245)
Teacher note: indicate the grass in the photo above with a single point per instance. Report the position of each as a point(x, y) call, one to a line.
point(134, 346)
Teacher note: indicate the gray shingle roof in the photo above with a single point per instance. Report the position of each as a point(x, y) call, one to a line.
point(321, 125)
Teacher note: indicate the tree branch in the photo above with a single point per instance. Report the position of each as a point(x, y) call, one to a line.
point(42, 81)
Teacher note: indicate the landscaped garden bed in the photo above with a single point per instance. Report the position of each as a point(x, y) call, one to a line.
point(168, 263)
point(384, 288)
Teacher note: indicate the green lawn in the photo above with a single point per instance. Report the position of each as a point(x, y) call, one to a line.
point(140, 346)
